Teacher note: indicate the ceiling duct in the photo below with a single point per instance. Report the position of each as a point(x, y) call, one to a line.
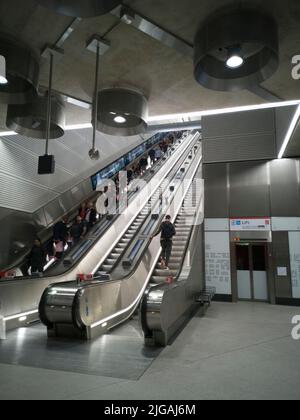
point(122, 112)
point(31, 119)
point(22, 73)
point(236, 50)
point(80, 8)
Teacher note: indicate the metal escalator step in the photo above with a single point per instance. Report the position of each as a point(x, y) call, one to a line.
point(174, 259)
point(176, 253)
point(164, 273)
point(106, 267)
point(111, 260)
point(158, 279)
point(174, 267)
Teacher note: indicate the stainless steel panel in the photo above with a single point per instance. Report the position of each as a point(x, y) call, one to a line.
point(281, 258)
point(240, 148)
point(284, 189)
point(17, 231)
point(284, 116)
point(249, 190)
point(216, 197)
point(238, 124)
point(239, 136)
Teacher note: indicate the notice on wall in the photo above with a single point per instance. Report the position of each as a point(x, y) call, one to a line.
point(217, 261)
point(294, 243)
point(282, 271)
point(252, 224)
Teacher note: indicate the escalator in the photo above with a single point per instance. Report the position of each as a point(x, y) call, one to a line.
point(19, 298)
point(129, 276)
point(74, 253)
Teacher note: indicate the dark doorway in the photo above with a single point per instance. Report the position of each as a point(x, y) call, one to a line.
point(252, 272)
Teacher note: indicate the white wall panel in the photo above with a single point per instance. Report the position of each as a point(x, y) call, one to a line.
point(216, 225)
point(294, 244)
point(217, 261)
point(286, 224)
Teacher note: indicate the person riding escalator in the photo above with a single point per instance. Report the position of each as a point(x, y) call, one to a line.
point(37, 258)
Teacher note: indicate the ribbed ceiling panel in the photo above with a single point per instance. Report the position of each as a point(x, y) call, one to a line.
point(22, 195)
point(19, 162)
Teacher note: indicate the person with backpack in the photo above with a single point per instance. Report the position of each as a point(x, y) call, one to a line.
point(167, 231)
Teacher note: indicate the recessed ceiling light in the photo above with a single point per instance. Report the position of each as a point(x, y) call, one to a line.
point(234, 61)
point(119, 119)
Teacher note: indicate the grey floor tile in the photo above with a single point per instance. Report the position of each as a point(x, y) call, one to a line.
point(237, 351)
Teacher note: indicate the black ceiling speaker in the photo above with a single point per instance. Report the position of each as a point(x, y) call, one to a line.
point(236, 49)
point(80, 8)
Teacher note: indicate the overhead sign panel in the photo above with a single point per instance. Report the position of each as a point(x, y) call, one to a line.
point(252, 224)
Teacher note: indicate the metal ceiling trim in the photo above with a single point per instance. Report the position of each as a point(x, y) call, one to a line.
point(148, 27)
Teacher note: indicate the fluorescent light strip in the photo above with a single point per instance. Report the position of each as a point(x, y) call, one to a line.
point(78, 103)
point(289, 133)
point(188, 115)
point(224, 110)
point(8, 133)
point(10, 318)
point(67, 128)
point(78, 126)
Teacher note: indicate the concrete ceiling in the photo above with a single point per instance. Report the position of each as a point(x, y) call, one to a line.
point(137, 60)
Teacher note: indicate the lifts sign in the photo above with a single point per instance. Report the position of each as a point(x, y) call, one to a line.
point(252, 224)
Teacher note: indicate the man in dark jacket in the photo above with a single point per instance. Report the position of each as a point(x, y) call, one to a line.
point(37, 257)
point(60, 236)
point(60, 231)
point(91, 215)
point(167, 231)
point(78, 230)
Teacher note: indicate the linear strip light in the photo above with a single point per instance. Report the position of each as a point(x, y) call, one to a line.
point(8, 133)
point(78, 126)
point(188, 115)
point(78, 103)
point(67, 128)
point(18, 316)
point(289, 133)
point(224, 110)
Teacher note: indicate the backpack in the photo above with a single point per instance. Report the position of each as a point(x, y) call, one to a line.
point(167, 230)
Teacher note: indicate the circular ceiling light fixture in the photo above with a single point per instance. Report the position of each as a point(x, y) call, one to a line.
point(3, 79)
point(235, 50)
point(30, 119)
point(122, 112)
point(80, 8)
point(19, 71)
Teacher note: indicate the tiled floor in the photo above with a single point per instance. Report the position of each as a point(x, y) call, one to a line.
point(238, 351)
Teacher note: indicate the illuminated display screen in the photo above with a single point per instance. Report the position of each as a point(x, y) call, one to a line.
point(126, 160)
